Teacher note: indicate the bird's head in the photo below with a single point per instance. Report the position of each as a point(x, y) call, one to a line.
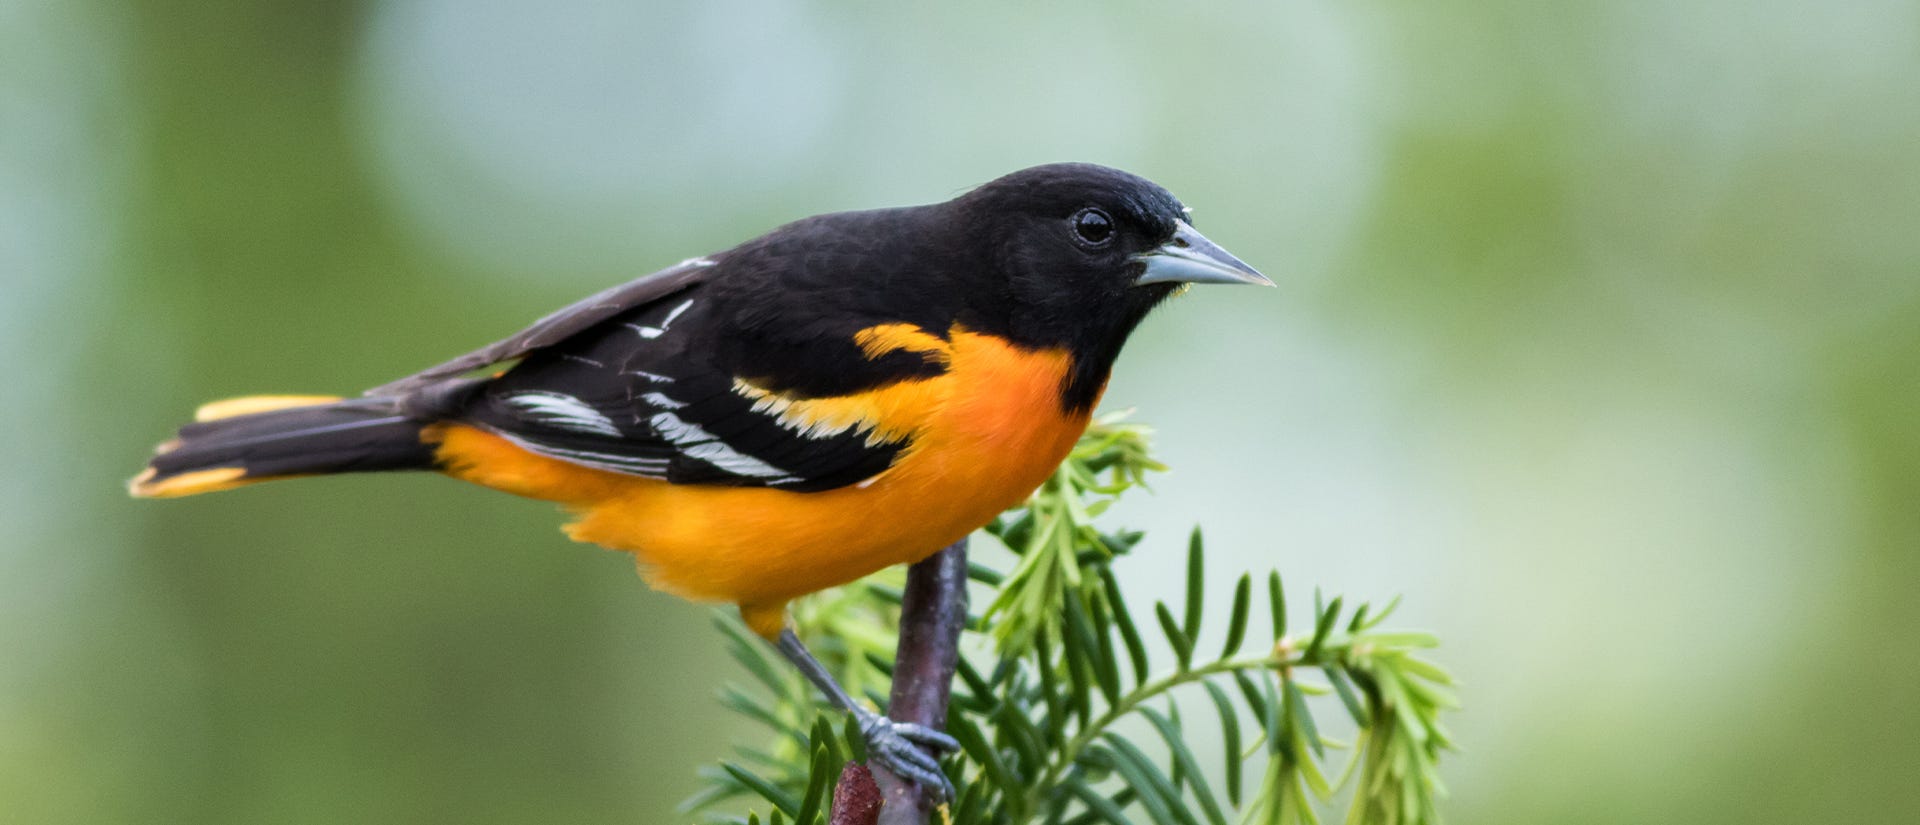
point(1086, 252)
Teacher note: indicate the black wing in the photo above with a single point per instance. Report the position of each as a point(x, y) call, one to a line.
point(641, 393)
point(656, 377)
point(557, 326)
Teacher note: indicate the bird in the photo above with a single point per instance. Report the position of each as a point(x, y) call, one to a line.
point(845, 393)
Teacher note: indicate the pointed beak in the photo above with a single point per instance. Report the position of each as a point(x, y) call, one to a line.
point(1192, 259)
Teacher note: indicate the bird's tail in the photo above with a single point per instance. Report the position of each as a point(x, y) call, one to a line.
point(256, 438)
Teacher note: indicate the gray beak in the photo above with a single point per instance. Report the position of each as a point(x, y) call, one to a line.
point(1192, 259)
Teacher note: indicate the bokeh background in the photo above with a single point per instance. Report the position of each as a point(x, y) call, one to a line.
point(1598, 338)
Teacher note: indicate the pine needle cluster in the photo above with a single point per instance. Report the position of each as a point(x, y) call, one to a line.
point(1060, 673)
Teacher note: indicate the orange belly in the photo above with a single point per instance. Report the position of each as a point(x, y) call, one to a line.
point(985, 434)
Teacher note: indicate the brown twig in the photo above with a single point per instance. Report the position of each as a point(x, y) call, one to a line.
point(932, 613)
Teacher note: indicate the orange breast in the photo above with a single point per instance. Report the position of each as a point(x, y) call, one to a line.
point(985, 434)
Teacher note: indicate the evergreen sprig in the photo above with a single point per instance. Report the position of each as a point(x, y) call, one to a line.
point(1055, 538)
point(1038, 727)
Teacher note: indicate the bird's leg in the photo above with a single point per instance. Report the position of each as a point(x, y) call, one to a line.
point(897, 746)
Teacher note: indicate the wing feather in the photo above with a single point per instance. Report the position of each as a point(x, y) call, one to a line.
point(558, 326)
point(639, 394)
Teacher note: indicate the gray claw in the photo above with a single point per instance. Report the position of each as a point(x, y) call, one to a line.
point(896, 746)
point(923, 735)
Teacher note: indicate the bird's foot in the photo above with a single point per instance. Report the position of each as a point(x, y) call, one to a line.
point(900, 747)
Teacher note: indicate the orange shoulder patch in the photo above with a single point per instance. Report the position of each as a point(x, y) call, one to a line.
point(879, 340)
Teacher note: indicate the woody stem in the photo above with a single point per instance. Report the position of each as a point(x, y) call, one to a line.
point(932, 613)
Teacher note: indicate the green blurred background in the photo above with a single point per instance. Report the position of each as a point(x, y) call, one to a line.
point(1598, 338)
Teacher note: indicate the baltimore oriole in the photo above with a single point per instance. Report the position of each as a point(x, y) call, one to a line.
point(847, 392)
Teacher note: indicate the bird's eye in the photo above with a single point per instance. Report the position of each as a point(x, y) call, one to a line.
point(1093, 226)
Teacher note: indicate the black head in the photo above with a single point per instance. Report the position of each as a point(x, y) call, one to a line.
point(1086, 252)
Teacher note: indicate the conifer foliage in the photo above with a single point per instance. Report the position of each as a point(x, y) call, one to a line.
point(1064, 718)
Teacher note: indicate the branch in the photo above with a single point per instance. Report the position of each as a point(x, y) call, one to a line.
point(932, 613)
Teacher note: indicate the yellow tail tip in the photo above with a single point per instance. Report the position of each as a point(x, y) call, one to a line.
point(186, 484)
point(250, 404)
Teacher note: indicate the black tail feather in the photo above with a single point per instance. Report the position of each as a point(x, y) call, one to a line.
point(353, 435)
